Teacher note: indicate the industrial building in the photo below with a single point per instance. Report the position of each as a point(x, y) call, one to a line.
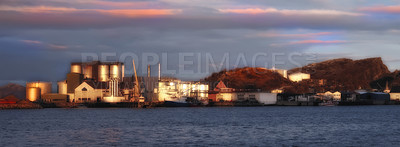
point(94, 82)
point(177, 90)
point(55, 98)
point(297, 77)
point(35, 90)
point(395, 93)
point(282, 72)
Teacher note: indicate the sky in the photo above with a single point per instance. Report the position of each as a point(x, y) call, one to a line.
point(192, 38)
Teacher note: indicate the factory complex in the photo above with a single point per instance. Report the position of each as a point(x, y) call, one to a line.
point(105, 82)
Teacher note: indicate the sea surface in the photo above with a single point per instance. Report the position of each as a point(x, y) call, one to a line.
point(217, 126)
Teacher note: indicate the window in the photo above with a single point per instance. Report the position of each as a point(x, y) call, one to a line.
point(252, 97)
point(240, 96)
point(84, 89)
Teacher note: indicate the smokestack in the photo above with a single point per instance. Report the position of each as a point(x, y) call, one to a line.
point(148, 71)
point(159, 71)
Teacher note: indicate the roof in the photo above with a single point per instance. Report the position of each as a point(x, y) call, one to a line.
point(220, 85)
point(9, 99)
point(97, 85)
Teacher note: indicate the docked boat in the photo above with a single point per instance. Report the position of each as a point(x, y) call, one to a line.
point(328, 103)
point(176, 102)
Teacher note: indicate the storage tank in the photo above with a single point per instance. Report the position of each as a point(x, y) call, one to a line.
point(62, 87)
point(45, 87)
point(104, 71)
point(88, 71)
point(115, 71)
point(32, 94)
point(76, 68)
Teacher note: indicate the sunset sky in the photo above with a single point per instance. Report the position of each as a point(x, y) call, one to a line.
point(39, 38)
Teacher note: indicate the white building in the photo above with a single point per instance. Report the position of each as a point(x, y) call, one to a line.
point(226, 96)
point(262, 97)
point(168, 90)
point(297, 77)
point(88, 93)
point(174, 90)
point(336, 96)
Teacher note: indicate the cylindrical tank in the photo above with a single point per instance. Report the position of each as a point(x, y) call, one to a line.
point(103, 73)
point(32, 94)
point(115, 71)
point(76, 68)
point(62, 87)
point(88, 71)
point(45, 87)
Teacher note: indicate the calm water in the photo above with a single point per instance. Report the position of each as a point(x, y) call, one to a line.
point(238, 126)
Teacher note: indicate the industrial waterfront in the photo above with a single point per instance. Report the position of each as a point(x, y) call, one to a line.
point(220, 126)
point(98, 84)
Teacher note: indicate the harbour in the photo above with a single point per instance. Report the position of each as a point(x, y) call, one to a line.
point(211, 126)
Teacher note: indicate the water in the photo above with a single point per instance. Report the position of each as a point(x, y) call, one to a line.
point(226, 126)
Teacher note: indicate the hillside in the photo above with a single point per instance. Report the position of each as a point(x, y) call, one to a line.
point(13, 89)
point(338, 74)
point(346, 74)
point(250, 78)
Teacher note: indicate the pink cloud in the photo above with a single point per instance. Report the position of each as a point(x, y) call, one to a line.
point(114, 12)
point(317, 42)
point(306, 35)
point(382, 9)
point(254, 11)
point(138, 4)
point(31, 41)
point(54, 46)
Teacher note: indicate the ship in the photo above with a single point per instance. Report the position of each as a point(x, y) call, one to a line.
point(177, 102)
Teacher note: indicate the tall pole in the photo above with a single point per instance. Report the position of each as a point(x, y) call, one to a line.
point(159, 71)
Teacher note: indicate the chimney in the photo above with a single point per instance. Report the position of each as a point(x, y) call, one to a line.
point(148, 71)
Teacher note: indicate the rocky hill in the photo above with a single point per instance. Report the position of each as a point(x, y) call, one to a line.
point(346, 74)
point(338, 74)
point(13, 89)
point(250, 78)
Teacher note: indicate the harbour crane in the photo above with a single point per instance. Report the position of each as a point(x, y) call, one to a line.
point(137, 95)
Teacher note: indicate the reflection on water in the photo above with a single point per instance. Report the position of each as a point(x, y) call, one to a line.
point(248, 126)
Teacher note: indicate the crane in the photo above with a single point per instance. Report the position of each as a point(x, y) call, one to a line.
point(137, 93)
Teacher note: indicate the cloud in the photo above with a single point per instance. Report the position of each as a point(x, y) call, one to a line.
point(45, 45)
point(58, 47)
point(114, 12)
point(317, 42)
point(308, 42)
point(254, 11)
point(31, 41)
point(306, 35)
point(382, 9)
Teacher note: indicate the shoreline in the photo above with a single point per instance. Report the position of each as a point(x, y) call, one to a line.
point(161, 105)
